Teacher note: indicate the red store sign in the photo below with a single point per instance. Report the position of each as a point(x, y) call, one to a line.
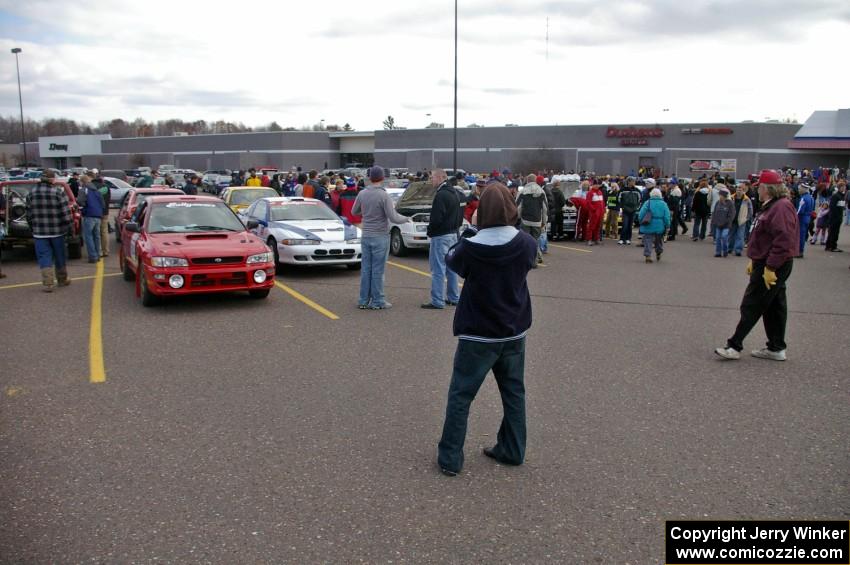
point(634, 132)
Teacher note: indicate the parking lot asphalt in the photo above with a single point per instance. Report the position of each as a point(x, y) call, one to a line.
point(242, 431)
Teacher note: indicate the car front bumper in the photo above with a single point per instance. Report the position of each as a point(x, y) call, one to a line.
point(329, 253)
point(208, 279)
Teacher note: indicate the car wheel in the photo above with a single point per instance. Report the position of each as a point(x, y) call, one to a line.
point(148, 298)
point(126, 272)
point(75, 248)
point(397, 246)
point(272, 242)
point(260, 293)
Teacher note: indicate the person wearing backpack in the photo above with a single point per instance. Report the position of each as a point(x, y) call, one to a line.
point(533, 211)
point(629, 200)
point(654, 218)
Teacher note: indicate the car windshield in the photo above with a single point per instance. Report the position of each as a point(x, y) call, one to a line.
point(22, 189)
point(301, 211)
point(247, 196)
point(178, 217)
point(119, 183)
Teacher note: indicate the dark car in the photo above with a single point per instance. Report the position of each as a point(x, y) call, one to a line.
point(14, 216)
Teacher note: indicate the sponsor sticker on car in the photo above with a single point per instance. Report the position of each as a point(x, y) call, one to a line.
point(189, 205)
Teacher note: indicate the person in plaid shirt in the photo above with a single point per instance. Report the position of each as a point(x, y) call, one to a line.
point(49, 217)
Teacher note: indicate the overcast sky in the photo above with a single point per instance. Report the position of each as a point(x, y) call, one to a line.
point(606, 62)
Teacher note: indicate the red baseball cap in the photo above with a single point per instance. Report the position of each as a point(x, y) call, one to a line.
point(539, 180)
point(770, 176)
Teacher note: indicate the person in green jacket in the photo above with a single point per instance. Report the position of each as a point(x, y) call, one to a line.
point(654, 218)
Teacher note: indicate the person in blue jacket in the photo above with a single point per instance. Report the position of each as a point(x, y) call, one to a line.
point(654, 218)
point(804, 215)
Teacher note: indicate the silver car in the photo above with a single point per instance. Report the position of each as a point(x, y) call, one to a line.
point(304, 231)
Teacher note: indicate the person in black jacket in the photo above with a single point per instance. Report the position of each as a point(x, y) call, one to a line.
point(445, 221)
point(837, 205)
point(701, 208)
point(491, 321)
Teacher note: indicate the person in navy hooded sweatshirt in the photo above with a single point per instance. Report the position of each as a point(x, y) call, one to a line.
point(491, 321)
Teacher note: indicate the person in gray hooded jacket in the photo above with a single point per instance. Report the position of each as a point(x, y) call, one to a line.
point(533, 211)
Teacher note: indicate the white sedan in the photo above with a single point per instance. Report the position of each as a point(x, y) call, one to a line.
point(304, 231)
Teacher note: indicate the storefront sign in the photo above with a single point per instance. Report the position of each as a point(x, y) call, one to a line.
point(634, 132)
point(707, 131)
point(58, 147)
point(631, 142)
point(714, 165)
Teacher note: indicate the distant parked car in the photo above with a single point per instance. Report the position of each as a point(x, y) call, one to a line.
point(117, 190)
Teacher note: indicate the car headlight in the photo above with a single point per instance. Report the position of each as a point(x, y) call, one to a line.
point(353, 241)
point(300, 241)
point(421, 228)
point(260, 258)
point(175, 281)
point(169, 262)
point(260, 277)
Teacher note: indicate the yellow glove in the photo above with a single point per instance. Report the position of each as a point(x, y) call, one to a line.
point(769, 277)
point(750, 268)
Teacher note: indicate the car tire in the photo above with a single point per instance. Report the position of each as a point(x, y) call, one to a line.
point(75, 248)
point(148, 298)
point(397, 246)
point(126, 272)
point(272, 243)
point(259, 294)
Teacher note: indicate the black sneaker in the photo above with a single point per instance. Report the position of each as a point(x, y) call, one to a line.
point(448, 472)
point(450, 303)
point(429, 306)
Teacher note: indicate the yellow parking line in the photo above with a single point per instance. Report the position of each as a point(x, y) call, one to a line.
point(298, 296)
point(96, 367)
point(411, 269)
point(22, 285)
point(570, 248)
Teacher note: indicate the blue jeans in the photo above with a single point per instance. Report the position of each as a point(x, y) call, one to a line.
point(91, 236)
point(804, 233)
point(473, 360)
point(375, 250)
point(543, 242)
point(628, 221)
point(443, 279)
point(50, 252)
point(721, 241)
point(700, 225)
point(847, 217)
point(738, 234)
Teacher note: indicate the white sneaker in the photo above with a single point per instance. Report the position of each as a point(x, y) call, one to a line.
point(628, 242)
point(728, 353)
point(766, 353)
point(621, 242)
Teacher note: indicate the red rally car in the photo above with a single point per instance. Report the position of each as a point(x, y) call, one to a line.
point(193, 244)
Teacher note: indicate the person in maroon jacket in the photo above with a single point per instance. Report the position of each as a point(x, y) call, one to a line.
point(773, 243)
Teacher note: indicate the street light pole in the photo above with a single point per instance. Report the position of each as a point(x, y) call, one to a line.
point(17, 50)
point(454, 144)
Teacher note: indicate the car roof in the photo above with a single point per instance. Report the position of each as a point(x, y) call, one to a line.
point(157, 189)
point(182, 198)
point(251, 188)
point(289, 199)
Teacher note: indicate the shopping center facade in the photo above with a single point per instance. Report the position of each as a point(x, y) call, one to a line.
point(684, 149)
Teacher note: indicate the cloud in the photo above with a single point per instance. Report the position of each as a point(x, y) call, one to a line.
point(602, 62)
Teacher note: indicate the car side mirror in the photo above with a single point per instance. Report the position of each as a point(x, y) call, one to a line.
point(132, 227)
point(252, 224)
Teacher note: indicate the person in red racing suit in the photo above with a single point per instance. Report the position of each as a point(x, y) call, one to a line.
point(595, 208)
